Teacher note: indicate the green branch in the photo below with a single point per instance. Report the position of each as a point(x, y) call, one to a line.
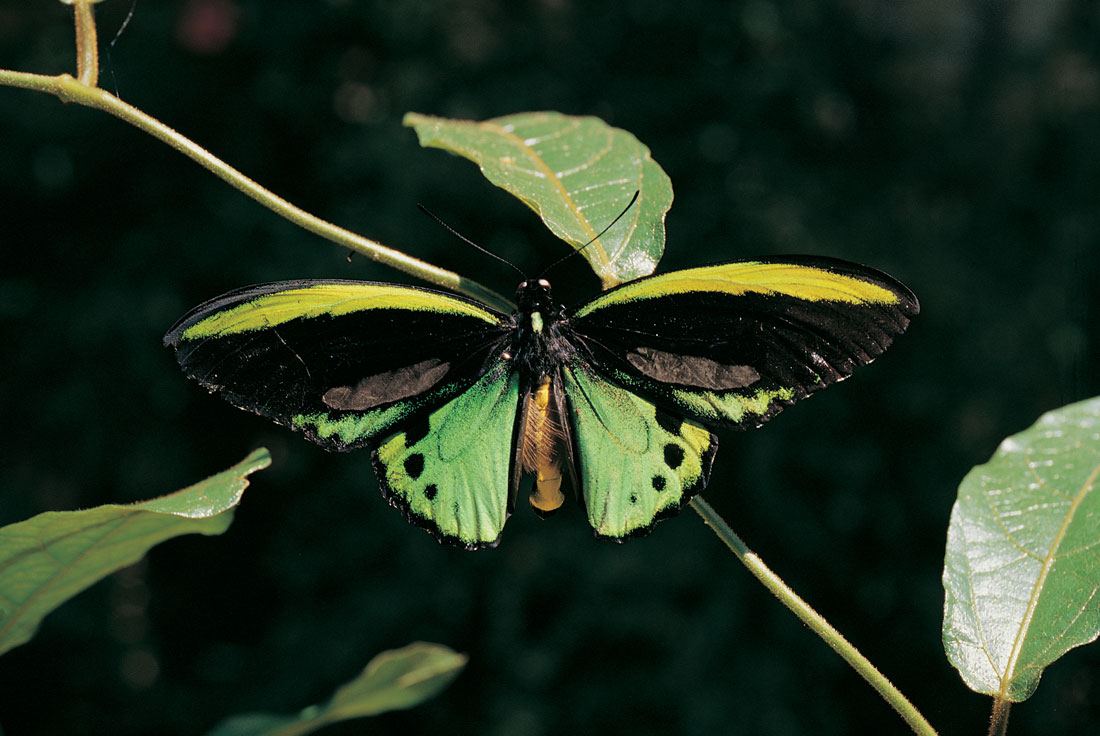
point(68, 89)
point(813, 619)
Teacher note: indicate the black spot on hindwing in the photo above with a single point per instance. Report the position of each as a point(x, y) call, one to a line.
point(417, 431)
point(430, 491)
point(658, 483)
point(674, 455)
point(414, 465)
point(669, 423)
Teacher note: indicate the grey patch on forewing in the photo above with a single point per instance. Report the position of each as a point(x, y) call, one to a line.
point(691, 370)
point(383, 388)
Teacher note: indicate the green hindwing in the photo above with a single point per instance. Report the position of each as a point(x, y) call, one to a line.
point(717, 408)
point(449, 471)
point(634, 462)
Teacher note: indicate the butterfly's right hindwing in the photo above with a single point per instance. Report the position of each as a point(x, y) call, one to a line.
point(343, 361)
point(634, 462)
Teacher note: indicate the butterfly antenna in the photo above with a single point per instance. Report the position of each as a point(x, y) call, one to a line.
point(598, 236)
point(467, 241)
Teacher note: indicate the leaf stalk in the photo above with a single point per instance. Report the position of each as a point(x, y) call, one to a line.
point(998, 718)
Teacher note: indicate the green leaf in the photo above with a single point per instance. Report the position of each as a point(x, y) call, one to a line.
point(1022, 571)
point(394, 680)
point(51, 557)
point(577, 173)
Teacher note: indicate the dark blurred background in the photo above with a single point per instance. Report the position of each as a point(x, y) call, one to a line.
point(952, 143)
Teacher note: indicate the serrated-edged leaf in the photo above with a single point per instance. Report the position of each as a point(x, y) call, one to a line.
point(577, 173)
point(394, 680)
point(1022, 571)
point(49, 558)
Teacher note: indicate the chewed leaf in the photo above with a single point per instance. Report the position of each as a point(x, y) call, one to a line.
point(394, 680)
point(51, 557)
point(1022, 571)
point(577, 173)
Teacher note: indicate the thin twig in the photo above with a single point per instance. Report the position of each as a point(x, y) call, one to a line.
point(84, 92)
point(813, 619)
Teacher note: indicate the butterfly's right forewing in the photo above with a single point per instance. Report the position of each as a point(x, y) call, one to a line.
point(733, 343)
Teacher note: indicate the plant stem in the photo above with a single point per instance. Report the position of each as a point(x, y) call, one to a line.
point(813, 619)
point(83, 92)
point(998, 719)
point(87, 45)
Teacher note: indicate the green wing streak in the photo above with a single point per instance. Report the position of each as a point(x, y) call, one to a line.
point(716, 407)
point(328, 299)
point(352, 429)
point(750, 277)
point(452, 478)
point(634, 464)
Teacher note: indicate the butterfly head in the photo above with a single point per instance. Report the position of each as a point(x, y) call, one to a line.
point(533, 297)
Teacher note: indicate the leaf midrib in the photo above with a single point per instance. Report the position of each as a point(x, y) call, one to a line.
point(1037, 588)
point(541, 163)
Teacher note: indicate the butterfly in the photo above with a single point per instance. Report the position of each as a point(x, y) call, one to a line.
point(618, 397)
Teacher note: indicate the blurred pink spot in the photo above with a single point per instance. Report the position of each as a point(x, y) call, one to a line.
point(207, 26)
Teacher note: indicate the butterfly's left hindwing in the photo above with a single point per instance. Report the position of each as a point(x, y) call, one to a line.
point(343, 361)
point(450, 471)
point(732, 344)
point(635, 463)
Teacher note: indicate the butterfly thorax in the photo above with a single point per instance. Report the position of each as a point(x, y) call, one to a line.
point(538, 346)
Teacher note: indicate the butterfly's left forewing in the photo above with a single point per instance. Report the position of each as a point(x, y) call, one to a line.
point(415, 374)
point(343, 361)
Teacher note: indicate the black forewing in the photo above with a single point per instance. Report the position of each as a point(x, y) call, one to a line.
point(376, 365)
point(736, 357)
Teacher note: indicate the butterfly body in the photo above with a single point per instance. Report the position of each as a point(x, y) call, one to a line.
point(544, 446)
point(458, 402)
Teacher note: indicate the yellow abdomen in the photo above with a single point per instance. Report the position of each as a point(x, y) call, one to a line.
point(543, 440)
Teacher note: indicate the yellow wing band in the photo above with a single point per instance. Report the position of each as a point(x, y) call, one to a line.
point(750, 277)
point(333, 300)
